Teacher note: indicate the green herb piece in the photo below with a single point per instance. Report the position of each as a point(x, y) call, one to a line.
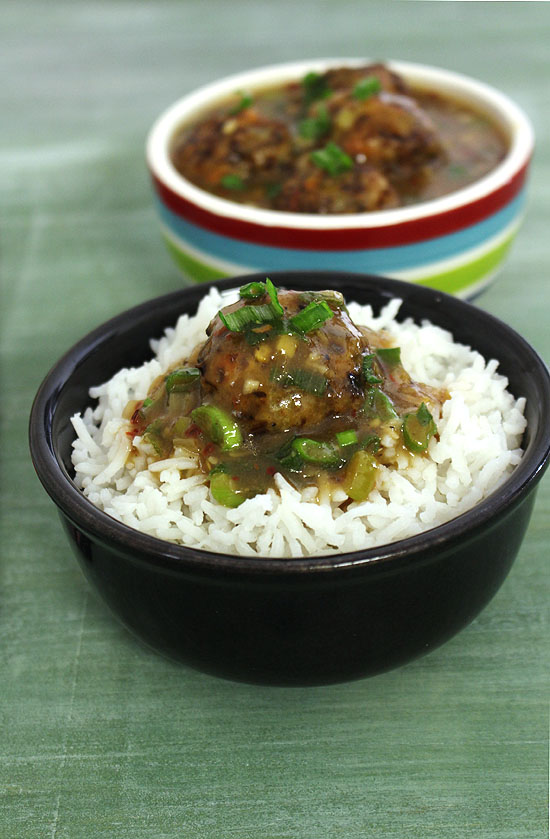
point(273, 190)
point(251, 291)
point(232, 182)
point(371, 443)
point(153, 436)
point(317, 451)
point(225, 487)
point(332, 159)
point(289, 458)
point(418, 429)
point(315, 87)
point(218, 426)
point(369, 375)
point(272, 291)
point(366, 88)
point(311, 317)
point(313, 128)
point(378, 406)
point(389, 355)
point(360, 477)
point(346, 438)
point(305, 380)
point(242, 318)
point(147, 403)
point(181, 380)
point(245, 101)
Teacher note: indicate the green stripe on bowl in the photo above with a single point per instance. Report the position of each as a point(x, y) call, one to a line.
point(200, 272)
point(459, 279)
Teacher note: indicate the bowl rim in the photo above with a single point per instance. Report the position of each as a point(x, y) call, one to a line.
point(469, 90)
point(150, 549)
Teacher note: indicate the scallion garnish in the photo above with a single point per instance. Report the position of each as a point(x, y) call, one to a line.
point(332, 159)
point(305, 380)
point(232, 181)
point(225, 488)
point(178, 381)
point(389, 355)
point(314, 314)
point(272, 291)
point(418, 429)
point(218, 426)
point(315, 87)
point(313, 128)
point(378, 406)
point(367, 87)
point(369, 374)
point(245, 101)
point(246, 316)
point(346, 438)
point(251, 291)
point(321, 452)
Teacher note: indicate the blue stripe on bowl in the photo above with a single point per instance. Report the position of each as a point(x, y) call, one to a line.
point(381, 259)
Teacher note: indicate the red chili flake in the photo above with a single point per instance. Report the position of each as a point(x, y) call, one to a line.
point(136, 416)
point(271, 470)
point(235, 478)
point(193, 431)
point(208, 449)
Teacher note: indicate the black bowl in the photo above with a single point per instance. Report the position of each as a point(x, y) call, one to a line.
point(307, 621)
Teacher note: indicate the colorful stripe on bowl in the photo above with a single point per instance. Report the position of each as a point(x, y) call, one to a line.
point(460, 263)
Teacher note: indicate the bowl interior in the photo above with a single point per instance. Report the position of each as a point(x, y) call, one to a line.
point(124, 342)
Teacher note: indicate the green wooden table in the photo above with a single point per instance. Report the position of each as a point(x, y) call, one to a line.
point(100, 737)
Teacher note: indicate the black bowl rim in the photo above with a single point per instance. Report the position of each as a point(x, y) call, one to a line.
point(124, 539)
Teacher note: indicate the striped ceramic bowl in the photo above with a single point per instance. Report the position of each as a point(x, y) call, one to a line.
point(455, 243)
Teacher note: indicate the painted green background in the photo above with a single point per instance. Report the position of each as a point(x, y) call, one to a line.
point(101, 738)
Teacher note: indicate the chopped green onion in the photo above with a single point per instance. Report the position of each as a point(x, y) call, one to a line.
point(346, 438)
point(418, 429)
point(178, 381)
point(273, 190)
point(332, 159)
point(246, 101)
point(368, 373)
point(218, 426)
point(153, 436)
point(252, 290)
point(147, 402)
point(289, 458)
point(367, 87)
point(242, 318)
point(304, 380)
point(371, 443)
point(272, 291)
point(378, 406)
point(225, 488)
point(311, 317)
point(389, 355)
point(317, 451)
point(232, 181)
point(315, 87)
point(360, 476)
point(313, 128)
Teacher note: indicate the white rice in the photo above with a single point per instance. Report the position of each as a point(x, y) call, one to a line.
point(478, 447)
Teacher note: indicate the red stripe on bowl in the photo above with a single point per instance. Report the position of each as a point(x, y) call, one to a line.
point(344, 239)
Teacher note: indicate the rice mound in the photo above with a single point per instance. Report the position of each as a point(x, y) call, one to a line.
point(479, 442)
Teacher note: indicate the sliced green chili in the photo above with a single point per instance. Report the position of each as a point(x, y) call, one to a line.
point(367, 87)
point(304, 380)
point(181, 380)
point(418, 429)
point(332, 159)
point(314, 314)
point(218, 426)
